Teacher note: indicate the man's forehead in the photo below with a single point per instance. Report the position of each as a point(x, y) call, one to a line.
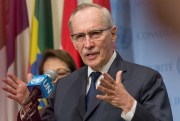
point(87, 15)
point(90, 10)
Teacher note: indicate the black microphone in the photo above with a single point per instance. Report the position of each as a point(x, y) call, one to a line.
point(40, 86)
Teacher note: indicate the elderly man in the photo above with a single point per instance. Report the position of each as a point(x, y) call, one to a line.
point(108, 88)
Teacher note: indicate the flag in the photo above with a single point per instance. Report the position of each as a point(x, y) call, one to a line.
point(69, 6)
point(41, 33)
point(105, 3)
point(57, 8)
point(3, 67)
point(3, 18)
point(41, 36)
point(14, 46)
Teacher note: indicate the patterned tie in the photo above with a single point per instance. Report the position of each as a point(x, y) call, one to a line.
point(92, 89)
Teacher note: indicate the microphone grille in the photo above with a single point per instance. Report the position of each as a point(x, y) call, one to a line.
point(51, 74)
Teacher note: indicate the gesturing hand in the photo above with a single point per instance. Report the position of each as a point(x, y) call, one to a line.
point(17, 89)
point(115, 92)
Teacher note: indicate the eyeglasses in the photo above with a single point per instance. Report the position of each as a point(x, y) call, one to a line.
point(94, 34)
point(62, 72)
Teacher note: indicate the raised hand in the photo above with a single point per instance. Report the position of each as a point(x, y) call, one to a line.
point(115, 92)
point(17, 89)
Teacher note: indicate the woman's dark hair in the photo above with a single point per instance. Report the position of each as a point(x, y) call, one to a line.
point(61, 55)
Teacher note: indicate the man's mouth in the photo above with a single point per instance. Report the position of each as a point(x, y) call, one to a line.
point(91, 56)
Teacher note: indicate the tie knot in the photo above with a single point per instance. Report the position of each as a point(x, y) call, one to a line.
point(95, 76)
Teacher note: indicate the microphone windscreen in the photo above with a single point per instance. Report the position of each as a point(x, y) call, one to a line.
point(52, 75)
point(43, 83)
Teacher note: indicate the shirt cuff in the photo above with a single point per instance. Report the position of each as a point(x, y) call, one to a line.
point(23, 113)
point(128, 116)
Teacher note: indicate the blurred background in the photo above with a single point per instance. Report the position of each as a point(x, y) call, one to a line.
point(147, 33)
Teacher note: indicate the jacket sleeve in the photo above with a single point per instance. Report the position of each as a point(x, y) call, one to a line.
point(153, 104)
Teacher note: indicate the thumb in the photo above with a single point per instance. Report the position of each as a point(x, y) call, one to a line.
point(118, 76)
point(29, 76)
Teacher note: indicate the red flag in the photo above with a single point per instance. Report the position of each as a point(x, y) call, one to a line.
point(105, 3)
point(69, 6)
point(3, 20)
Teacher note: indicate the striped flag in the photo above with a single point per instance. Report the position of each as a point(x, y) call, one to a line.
point(69, 6)
point(41, 34)
point(14, 47)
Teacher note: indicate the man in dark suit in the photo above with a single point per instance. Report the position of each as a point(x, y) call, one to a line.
point(125, 91)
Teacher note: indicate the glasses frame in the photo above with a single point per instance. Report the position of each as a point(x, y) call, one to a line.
point(100, 31)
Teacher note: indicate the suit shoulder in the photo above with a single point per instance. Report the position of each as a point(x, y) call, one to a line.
point(139, 68)
point(74, 75)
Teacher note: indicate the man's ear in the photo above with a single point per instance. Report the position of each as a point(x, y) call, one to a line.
point(113, 32)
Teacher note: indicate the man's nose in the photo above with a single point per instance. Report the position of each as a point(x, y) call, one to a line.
point(88, 41)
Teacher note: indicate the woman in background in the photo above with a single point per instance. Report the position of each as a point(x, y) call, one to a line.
point(59, 61)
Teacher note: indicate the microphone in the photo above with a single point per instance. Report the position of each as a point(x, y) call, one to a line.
point(40, 86)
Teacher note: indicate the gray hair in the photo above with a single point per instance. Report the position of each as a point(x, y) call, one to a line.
point(105, 13)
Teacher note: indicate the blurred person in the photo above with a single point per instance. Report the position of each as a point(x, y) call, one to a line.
point(59, 61)
point(168, 13)
point(107, 88)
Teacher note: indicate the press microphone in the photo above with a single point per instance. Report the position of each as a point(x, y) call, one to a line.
point(40, 86)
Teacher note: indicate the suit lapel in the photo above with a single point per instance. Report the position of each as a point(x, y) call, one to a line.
point(82, 99)
point(82, 106)
point(93, 105)
point(117, 65)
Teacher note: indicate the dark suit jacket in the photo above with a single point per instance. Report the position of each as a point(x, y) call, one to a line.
point(67, 103)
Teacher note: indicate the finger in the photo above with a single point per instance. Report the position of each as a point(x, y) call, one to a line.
point(29, 77)
point(108, 77)
point(101, 97)
point(105, 98)
point(10, 83)
point(13, 97)
point(9, 90)
point(13, 78)
point(106, 84)
point(118, 77)
point(105, 90)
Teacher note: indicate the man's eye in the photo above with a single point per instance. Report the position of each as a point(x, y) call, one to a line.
point(95, 33)
point(80, 36)
point(61, 73)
